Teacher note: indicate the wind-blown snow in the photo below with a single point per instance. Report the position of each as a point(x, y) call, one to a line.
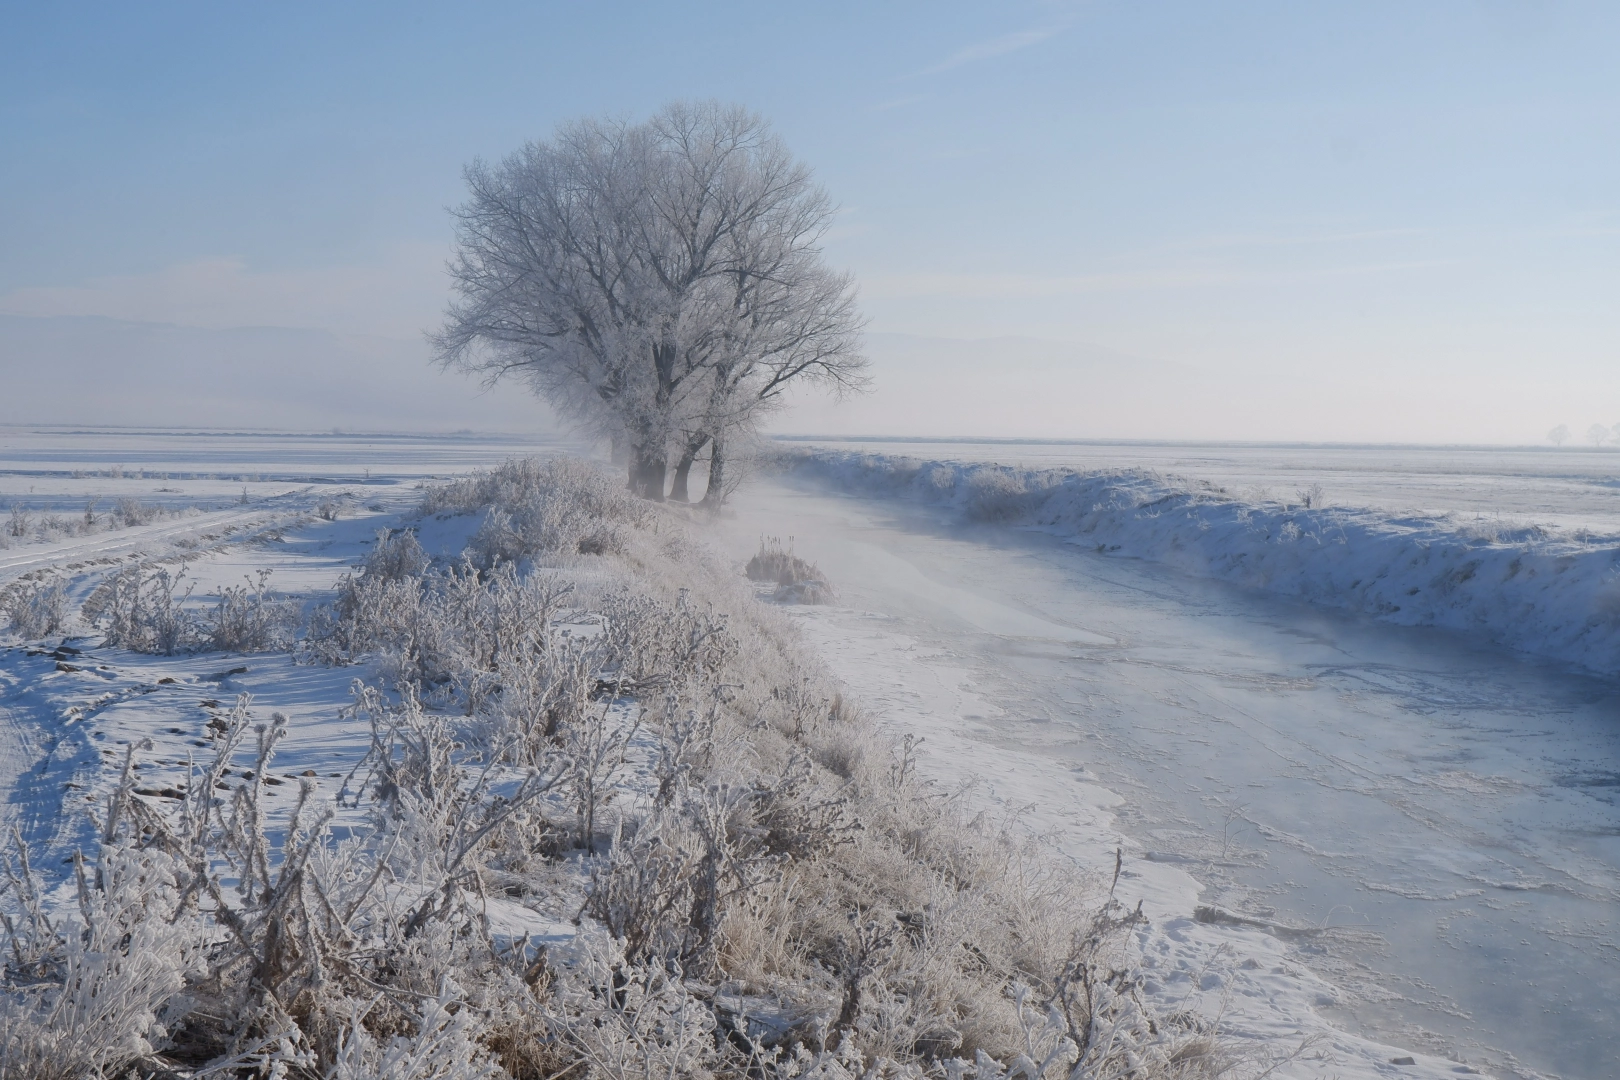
point(1543, 591)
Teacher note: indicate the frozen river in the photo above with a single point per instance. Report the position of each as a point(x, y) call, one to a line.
point(1450, 803)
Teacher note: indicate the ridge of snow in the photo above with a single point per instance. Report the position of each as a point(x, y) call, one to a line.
point(1535, 589)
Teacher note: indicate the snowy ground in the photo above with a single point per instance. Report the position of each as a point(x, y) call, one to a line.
point(1443, 807)
point(1443, 810)
point(68, 717)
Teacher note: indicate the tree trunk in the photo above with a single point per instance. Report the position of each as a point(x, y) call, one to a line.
point(683, 468)
point(716, 494)
point(647, 470)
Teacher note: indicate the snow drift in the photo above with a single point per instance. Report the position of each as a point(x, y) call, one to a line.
point(1532, 588)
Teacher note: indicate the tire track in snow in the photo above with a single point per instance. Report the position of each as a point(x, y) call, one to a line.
point(42, 756)
point(26, 803)
point(229, 526)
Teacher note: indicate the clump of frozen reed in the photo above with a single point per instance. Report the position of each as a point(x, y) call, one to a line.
point(796, 581)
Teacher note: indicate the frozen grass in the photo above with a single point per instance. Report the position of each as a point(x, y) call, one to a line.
point(589, 715)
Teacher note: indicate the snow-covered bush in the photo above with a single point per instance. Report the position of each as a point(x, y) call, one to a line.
point(36, 609)
point(89, 994)
point(443, 1045)
point(20, 525)
point(131, 512)
point(396, 556)
point(248, 619)
point(142, 609)
point(797, 581)
point(542, 506)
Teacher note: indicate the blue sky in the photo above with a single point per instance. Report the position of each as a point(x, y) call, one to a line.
point(1322, 207)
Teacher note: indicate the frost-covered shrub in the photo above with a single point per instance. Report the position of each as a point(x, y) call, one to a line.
point(140, 608)
point(542, 507)
point(90, 994)
point(20, 525)
point(625, 1020)
point(396, 556)
point(129, 512)
point(318, 958)
point(248, 619)
point(1313, 497)
point(651, 642)
point(777, 564)
point(143, 608)
point(797, 581)
point(443, 1045)
point(36, 609)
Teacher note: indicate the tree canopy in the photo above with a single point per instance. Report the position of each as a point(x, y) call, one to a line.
point(661, 283)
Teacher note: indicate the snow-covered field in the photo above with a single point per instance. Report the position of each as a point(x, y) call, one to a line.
point(1414, 830)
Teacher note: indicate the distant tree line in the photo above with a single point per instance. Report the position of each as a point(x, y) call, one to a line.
point(1597, 434)
point(661, 283)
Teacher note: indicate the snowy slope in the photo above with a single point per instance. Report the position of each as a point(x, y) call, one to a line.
point(1548, 592)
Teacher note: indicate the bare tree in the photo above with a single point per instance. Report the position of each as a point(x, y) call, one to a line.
point(1597, 434)
point(1559, 435)
point(661, 283)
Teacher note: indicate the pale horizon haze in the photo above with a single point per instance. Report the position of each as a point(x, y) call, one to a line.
point(1376, 222)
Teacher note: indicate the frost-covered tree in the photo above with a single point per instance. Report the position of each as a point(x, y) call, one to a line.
point(661, 283)
point(1559, 435)
point(1597, 434)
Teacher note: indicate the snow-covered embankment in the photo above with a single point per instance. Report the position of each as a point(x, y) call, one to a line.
point(1552, 593)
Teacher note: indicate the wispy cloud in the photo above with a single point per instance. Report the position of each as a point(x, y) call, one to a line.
point(996, 46)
